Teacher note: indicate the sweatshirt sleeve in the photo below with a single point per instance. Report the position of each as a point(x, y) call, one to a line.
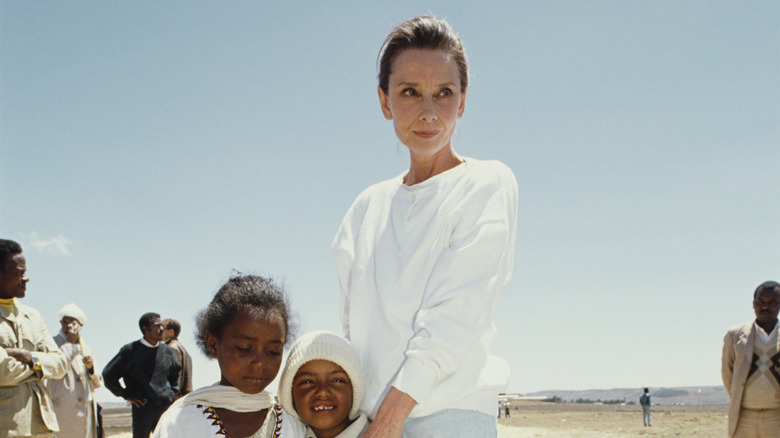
point(457, 309)
point(113, 371)
point(343, 249)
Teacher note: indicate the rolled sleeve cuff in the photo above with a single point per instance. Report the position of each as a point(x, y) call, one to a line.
point(416, 379)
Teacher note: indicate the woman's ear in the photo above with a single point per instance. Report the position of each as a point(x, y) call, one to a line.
point(462, 106)
point(384, 103)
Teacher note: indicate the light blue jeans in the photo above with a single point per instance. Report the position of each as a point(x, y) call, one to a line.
point(452, 423)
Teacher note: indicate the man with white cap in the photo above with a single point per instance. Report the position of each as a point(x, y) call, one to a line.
point(73, 395)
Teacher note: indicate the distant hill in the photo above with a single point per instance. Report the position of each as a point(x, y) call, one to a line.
point(688, 395)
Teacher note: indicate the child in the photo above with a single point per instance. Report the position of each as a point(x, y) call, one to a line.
point(322, 385)
point(245, 327)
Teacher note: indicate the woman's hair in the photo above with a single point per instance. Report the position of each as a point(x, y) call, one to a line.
point(253, 294)
point(432, 33)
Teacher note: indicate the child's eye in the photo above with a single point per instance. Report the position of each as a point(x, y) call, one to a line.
point(244, 349)
point(275, 353)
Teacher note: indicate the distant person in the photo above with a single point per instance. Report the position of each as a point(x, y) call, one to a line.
point(751, 368)
point(245, 328)
point(150, 373)
point(28, 355)
point(423, 256)
point(171, 331)
point(323, 370)
point(506, 408)
point(74, 394)
point(644, 401)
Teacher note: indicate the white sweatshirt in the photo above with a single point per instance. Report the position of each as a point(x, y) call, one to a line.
point(420, 270)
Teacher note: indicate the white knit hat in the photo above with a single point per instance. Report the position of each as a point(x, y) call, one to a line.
point(322, 345)
point(74, 312)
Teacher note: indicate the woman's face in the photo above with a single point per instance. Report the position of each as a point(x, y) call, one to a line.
point(424, 101)
point(249, 351)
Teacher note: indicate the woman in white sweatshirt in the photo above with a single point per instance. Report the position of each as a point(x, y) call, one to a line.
point(423, 256)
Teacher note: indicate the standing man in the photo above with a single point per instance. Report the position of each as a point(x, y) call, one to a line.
point(28, 355)
point(751, 368)
point(150, 373)
point(171, 330)
point(74, 394)
point(644, 401)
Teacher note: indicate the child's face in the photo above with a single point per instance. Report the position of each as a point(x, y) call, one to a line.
point(249, 352)
point(322, 395)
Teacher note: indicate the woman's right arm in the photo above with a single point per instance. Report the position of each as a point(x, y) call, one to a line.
point(391, 416)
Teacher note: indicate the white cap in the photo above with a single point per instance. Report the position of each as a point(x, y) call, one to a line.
point(74, 312)
point(322, 345)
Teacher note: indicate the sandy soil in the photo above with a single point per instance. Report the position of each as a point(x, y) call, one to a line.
point(538, 419)
point(567, 420)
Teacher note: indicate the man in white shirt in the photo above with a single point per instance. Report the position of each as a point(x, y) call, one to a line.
point(751, 368)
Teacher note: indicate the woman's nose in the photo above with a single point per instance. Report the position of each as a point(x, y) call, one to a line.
point(428, 112)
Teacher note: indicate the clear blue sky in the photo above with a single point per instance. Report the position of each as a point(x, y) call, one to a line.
point(148, 148)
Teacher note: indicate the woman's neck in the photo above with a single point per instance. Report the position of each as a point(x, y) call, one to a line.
point(426, 167)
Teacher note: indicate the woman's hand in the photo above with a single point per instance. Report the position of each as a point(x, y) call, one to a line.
point(391, 416)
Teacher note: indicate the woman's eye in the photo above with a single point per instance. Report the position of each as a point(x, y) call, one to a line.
point(408, 92)
point(445, 92)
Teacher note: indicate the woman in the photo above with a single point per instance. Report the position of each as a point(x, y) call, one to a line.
point(422, 257)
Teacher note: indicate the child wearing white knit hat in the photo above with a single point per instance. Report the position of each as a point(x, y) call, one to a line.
point(322, 385)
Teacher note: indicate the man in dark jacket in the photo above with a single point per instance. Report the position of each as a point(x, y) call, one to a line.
point(150, 373)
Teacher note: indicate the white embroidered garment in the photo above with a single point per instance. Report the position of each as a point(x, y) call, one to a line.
point(193, 415)
point(227, 397)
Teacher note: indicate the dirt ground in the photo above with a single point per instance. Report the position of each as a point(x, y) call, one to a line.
point(566, 420)
point(570, 420)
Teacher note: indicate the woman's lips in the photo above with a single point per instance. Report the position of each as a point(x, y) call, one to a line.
point(426, 134)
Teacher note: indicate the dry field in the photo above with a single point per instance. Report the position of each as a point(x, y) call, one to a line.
point(567, 420)
point(570, 420)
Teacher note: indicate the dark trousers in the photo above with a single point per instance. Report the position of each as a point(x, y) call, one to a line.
point(145, 419)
